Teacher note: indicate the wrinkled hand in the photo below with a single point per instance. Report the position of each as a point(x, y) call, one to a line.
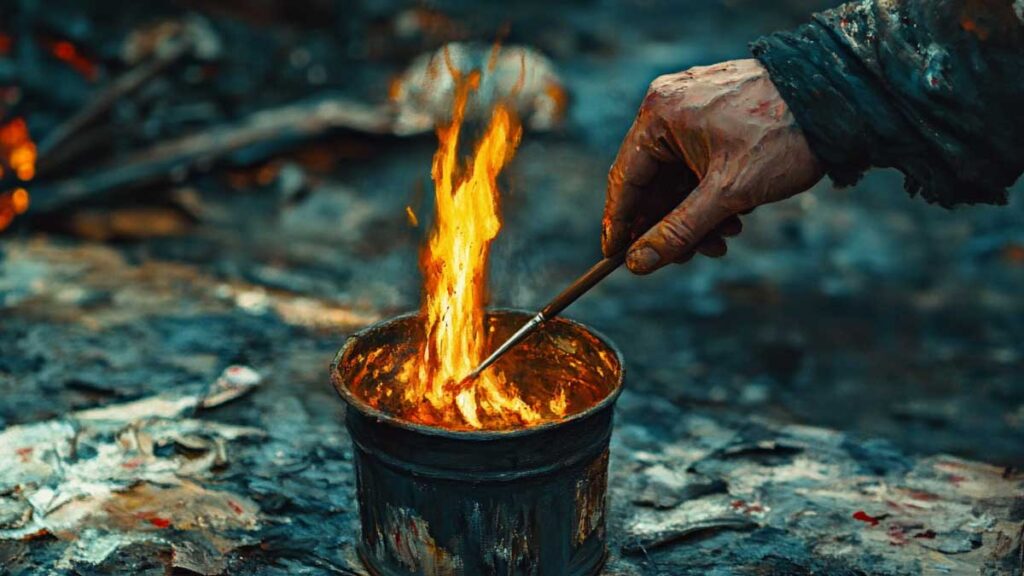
point(708, 144)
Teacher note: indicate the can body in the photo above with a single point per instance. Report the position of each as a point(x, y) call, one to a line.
point(434, 502)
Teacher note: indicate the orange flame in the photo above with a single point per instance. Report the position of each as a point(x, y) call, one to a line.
point(12, 204)
point(454, 265)
point(18, 153)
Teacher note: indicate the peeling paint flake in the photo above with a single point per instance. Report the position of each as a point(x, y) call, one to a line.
point(590, 499)
point(99, 479)
point(407, 538)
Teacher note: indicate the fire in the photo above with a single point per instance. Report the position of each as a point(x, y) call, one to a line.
point(18, 153)
point(12, 204)
point(454, 265)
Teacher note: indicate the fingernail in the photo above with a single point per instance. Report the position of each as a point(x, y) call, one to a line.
point(643, 259)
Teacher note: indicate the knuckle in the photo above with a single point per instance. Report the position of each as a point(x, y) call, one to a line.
point(733, 203)
point(664, 89)
point(660, 84)
point(732, 199)
point(671, 83)
point(678, 232)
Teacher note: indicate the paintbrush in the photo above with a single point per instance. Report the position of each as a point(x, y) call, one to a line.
point(578, 288)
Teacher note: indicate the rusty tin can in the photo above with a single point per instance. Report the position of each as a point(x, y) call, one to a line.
point(436, 502)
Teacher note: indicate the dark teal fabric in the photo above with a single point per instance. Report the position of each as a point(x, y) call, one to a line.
point(934, 88)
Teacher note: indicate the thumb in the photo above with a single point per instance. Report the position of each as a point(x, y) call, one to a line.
point(679, 232)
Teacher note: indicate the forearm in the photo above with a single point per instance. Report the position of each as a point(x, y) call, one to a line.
point(933, 88)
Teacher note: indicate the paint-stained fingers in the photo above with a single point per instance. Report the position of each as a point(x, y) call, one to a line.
point(730, 227)
point(629, 178)
point(686, 257)
point(714, 244)
point(681, 231)
point(712, 247)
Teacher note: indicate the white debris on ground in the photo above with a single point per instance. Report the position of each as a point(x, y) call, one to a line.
point(126, 472)
point(938, 514)
point(517, 74)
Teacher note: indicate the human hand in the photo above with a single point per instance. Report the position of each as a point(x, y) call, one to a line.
point(707, 145)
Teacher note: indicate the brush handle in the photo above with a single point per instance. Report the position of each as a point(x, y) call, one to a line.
point(578, 288)
point(582, 284)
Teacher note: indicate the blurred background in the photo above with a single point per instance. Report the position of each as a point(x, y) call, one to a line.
point(187, 183)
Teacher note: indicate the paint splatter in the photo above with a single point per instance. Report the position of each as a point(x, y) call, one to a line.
point(866, 518)
point(160, 522)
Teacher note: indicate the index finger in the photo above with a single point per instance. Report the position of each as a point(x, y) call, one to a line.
point(633, 170)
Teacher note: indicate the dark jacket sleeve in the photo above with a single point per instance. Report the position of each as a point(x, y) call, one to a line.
point(934, 88)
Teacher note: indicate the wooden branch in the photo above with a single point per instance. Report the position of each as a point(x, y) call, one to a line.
point(286, 125)
point(124, 85)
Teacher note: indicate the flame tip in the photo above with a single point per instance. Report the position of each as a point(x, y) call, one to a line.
point(454, 265)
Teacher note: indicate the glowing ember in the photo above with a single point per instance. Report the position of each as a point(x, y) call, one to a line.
point(454, 265)
point(411, 216)
point(12, 204)
point(67, 52)
point(18, 153)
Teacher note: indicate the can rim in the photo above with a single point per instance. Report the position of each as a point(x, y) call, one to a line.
point(473, 435)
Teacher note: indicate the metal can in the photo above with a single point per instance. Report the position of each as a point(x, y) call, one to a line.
point(440, 502)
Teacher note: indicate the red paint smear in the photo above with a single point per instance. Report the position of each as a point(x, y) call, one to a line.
point(761, 109)
point(41, 533)
point(746, 508)
point(234, 506)
point(131, 464)
point(159, 522)
point(956, 479)
point(923, 496)
point(24, 453)
point(865, 517)
point(6, 43)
